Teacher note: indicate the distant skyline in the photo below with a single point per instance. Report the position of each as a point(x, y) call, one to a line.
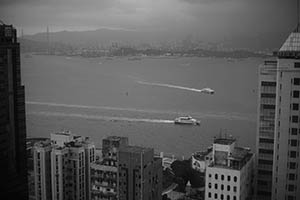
point(205, 19)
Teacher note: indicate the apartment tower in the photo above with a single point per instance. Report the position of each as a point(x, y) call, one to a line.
point(62, 167)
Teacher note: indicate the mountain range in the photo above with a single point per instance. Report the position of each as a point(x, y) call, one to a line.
point(261, 42)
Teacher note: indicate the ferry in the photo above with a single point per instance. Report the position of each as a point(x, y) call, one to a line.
point(186, 120)
point(208, 91)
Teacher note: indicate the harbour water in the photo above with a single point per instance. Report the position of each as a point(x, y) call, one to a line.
point(98, 97)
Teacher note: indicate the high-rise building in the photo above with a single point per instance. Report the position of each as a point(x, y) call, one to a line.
point(230, 174)
point(140, 174)
point(286, 159)
point(12, 118)
point(126, 172)
point(62, 167)
point(104, 173)
point(265, 129)
point(42, 170)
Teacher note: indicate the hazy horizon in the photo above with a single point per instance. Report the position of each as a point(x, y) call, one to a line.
point(205, 19)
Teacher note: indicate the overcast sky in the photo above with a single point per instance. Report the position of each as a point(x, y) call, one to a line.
point(207, 18)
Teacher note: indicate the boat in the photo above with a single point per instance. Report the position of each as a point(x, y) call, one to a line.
point(208, 91)
point(186, 120)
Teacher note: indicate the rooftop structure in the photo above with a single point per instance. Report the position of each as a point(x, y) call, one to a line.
point(291, 47)
point(229, 173)
point(224, 140)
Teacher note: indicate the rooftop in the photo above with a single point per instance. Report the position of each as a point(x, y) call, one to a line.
point(200, 155)
point(134, 149)
point(239, 153)
point(291, 47)
point(225, 140)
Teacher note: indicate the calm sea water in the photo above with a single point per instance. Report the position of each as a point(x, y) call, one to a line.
point(98, 97)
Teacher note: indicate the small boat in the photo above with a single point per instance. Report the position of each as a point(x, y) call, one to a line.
point(186, 120)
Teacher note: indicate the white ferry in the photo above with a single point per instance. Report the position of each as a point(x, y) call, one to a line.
point(208, 91)
point(186, 120)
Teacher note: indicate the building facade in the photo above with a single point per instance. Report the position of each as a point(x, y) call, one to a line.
point(286, 167)
point(126, 172)
point(104, 172)
point(62, 167)
point(265, 129)
point(42, 170)
point(140, 174)
point(12, 117)
point(230, 175)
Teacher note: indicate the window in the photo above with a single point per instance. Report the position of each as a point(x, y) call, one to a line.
point(292, 177)
point(235, 179)
point(292, 165)
point(209, 194)
point(266, 83)
point(228, 178)
point(295, 106)
point(293, 154)
point(267, 106)
point(266, 151)
point(234, 188)
point(216, 186)
point(291, 197)
point(222, 177)
point(268, 95)
point(228, 187)
point(222, 187)
point(291, 188)
point(216, 196)
point(294, 131)
point(209, 175)
point(228, 197)
point(222, 196)
point(296, 94)
point(216, 176)
point(293, 143)
point(265, 162)
point(234, 197)
point(266, 140)
point(209, 185)
point(295, 119)
point(296, 81)
point(297, 65)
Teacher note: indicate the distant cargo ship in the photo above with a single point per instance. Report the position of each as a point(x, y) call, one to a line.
point(188, 120)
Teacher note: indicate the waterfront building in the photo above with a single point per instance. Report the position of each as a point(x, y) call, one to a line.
point(286, 166)
point(230, 174)
point(265, 129)
point(62, 167)
point(104, 172)
point(12, 118)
